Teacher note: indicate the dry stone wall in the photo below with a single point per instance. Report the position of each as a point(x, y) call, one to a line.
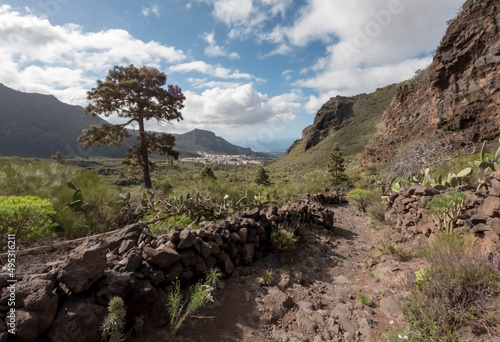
point(480, 212)
point(67, 301)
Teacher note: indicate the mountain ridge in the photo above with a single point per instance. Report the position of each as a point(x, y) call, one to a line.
point(37, 125)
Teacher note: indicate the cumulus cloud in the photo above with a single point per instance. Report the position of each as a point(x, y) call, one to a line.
point(64, 60)
point(369, 44)
point(211, 70)
point(247, 17)
point(214, 50)
point(238, 106)
point(206, 83)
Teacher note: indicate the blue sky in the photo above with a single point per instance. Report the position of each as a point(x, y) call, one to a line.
point(253, 71)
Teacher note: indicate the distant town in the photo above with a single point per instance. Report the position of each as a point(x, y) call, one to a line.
point(235, 159)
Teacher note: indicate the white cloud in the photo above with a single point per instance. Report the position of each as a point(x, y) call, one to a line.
point(154, 10)
point(205, 83)
point(357, 80)
point(247, 17)
point(287, 74)
point(211, 70)
point(283, 49)
point(64, 60)
point(214, 50)
point(239, 106)
point(351, 81)
point(232, 11)
point(188, 6)
point(369, 44)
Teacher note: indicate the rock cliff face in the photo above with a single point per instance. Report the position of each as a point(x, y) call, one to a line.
point(330, 117)
point(342, 111)
point(459, 93)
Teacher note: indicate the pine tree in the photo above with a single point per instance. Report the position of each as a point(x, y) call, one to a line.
point(207, 172)
point(336, 165)
point(262, 177)
point(136, 95)
point(59, 157)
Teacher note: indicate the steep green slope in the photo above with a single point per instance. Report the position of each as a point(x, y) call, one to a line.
point(348, 121)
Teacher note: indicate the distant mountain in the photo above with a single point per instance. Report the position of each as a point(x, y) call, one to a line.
point(35, 125)
point(205, 141)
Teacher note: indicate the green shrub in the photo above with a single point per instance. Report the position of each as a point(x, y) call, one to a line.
point(114, 323)
point(454, 291)
point(364, 299)
point(181, 305)
point(46, 179)
point(268, 276)
point(27, 217)
point(445, 210)
point(283, 239)
point(362, 198)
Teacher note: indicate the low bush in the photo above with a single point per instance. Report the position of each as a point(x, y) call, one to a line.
point(458, 288)
point(364, 299)
point(48, 179)
point(362, 198)
point(283, 239)
point(29, 218)
point(114, 323)
point(182, 304)
point(445, 210)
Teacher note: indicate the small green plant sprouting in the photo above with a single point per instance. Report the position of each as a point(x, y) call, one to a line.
point(372, 274)
point(422, 277)
point(268, 276)
point(283, 239)
point(367, 257)
point(387, 248)
point(77, 200)
point(385, 293)
point(445, 210)
point(399, 334)
point(181, 305)
point(114, 322)
point(364, 299)
point(212, 277)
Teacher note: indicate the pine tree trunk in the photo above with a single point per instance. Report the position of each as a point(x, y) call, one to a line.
point(143, 154)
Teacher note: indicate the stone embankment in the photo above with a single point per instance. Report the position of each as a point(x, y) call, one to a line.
point(67, 301)
point(480, 212)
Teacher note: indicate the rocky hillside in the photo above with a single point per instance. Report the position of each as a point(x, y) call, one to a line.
point(457, 95)
point(348, 121)
point(341, 111)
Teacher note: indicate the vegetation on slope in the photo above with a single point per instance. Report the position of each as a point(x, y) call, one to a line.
point(360, 124)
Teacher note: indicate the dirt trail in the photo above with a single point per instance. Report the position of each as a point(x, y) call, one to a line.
point(313, 293)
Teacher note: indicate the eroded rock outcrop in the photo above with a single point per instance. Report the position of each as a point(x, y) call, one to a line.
point(458, 94)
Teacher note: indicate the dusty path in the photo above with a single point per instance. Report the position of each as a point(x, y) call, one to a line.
point(313, 292)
